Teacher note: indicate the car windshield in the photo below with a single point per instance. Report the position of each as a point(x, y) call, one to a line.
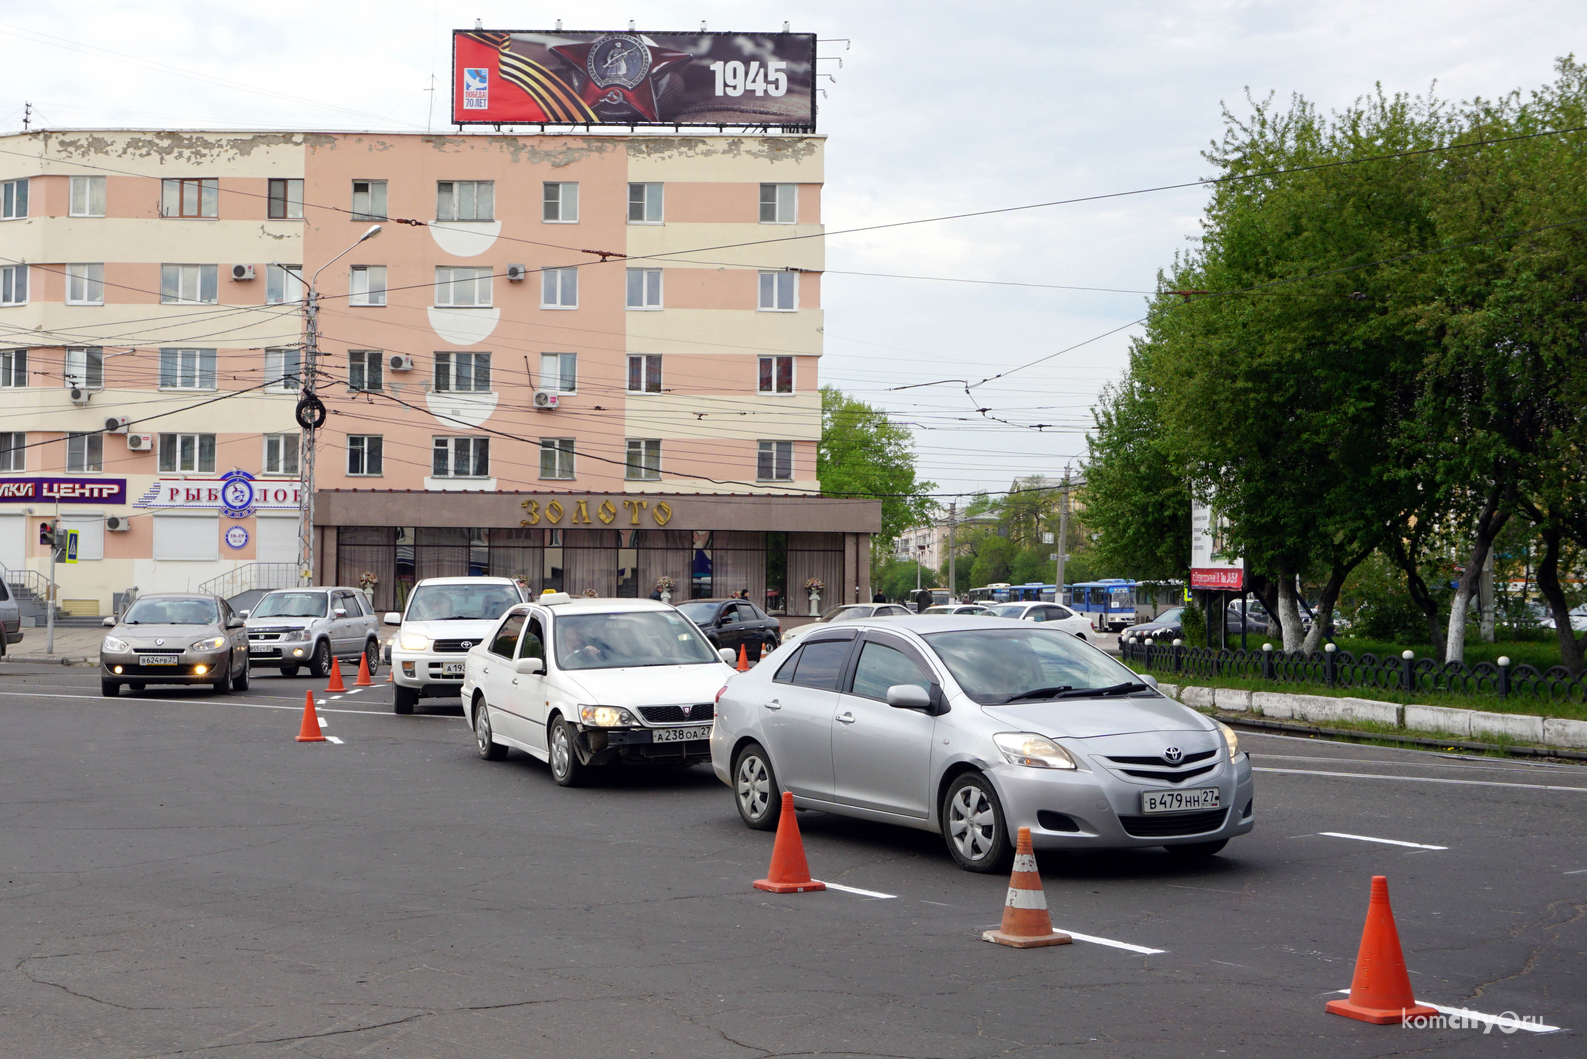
point(1007, 610)
point(1168, 617)
point(850, 610)
point(460, 602)
point(290, 605)
point(172, 612)
point(699, 610)
point(629, 638)
point(995, 665)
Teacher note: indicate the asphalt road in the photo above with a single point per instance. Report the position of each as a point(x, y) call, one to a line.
point(178, 876)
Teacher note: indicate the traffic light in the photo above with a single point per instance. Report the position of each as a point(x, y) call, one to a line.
point(47, 534)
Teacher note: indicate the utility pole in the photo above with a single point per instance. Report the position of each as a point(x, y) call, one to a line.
point(1063, 537)
point(953, 558)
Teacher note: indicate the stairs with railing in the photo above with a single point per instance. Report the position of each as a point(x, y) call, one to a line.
point(30, 589)
point(252, 575)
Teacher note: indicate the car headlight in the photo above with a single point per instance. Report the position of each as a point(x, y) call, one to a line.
point(114, 645)
point(214, 643)
point(295, 634)
point(1035, 751)
point(412, 641)
point(1230, 739)
point(605, 716)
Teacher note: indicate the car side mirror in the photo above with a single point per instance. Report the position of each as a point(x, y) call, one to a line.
point(109, 623)
point(909, 697)
point(339, 612)
point(243, 614)
point(392, 618)
point(1147, 679)
point(728, 656)
point(235, 623)
point(528, 667)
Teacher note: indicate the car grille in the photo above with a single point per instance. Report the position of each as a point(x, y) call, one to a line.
point(453, 647)
point(1173, 824)
point(269, 634)
point(698, 713)
point(1165, 772)
point(1188, 759)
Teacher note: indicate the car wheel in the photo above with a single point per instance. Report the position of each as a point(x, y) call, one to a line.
point(289, 671)
point(405, 699)
point(320, 664)
point(489, 749)
point(755, 789)
point(566, 768)
point(372, 656)
point(1196, 850)
point(973, 825)
point(109, 688)
point(241, 681)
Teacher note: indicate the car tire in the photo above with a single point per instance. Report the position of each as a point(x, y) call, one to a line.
point(973, 826)
point(489, 749)
point(289, 671)
point(755, 789)
point(240, 682)
point(566, 768)
point(404, 699)
point(1197, 850)
point(372, 656)
point(223, 682)
point(320, 663)
point(110, 689)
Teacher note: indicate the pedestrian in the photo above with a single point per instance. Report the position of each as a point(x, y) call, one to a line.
point(878, 598)
point(655, 594)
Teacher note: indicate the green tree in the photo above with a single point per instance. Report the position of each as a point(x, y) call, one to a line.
point(865, 454)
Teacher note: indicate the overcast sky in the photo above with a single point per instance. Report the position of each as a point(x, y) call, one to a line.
point(937, 109)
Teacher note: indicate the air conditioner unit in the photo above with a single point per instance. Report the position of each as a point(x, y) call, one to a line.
point(140, 442)
point(118, 523)
point(516, 273)
point(545, 400)
point(116, 424)
point(400, 362)
point(239, 273)
point(79, 395)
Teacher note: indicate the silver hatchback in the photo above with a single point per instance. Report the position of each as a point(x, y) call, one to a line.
point(974, 727)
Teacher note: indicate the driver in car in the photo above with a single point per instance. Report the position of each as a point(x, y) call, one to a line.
point(585, 647)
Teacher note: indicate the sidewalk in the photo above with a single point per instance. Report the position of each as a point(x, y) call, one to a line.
point(75, 645)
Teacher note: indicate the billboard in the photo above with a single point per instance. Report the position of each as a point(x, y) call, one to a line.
point(534, 77)
point(1210, 567)
point(64, 490)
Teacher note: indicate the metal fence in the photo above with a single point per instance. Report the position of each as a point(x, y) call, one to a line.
point(1342, 669)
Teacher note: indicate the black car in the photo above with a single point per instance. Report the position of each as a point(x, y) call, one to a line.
point(732, 623)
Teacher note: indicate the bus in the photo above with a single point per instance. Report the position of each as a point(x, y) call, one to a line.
point(1109, 603)
point(1003, 592)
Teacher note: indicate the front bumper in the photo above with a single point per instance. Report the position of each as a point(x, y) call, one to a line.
point(605, 746)
point(126, 666)
point(280, 652)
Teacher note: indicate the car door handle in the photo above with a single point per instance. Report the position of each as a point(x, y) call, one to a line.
point(515, 682)
point(845, 718)
point(772, 704)
point(485, 669)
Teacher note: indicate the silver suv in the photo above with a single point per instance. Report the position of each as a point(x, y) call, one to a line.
point(295, 627)
point(10, 619)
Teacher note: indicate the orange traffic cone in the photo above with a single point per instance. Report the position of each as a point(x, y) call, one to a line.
point(1380, 992)
point(1026, 923)
point(743, 659)
point(789, 873)
point(336, 677)
point(363, 680)
point(309, 730)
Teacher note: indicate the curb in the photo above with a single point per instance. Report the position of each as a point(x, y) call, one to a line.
point(54, 660)
point(1236, 721)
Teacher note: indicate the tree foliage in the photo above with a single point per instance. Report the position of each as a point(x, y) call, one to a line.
point(865, 454)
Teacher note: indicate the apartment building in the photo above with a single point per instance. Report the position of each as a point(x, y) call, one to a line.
point(588, 361)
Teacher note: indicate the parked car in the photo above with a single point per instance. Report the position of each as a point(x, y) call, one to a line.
point(1167, 627)
point(848, 612)
point(1055, 614)
point(734, 623)
point(583, 683)
point(957, 608)
point(294, 627)
point(10, 619)
point(444, 619)
point(973, 729)
point(175, 638)
point(1578, 618)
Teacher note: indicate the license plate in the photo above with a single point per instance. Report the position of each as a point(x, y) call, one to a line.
point(256, 649)
point(452, 669)
point(1179, 801)
point(160, 660)
point(681, 735)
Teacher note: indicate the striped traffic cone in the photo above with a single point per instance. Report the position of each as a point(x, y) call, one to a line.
point(1026, 923)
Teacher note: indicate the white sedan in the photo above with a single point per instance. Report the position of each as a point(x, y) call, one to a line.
point(1055, 615)
point(582, 683)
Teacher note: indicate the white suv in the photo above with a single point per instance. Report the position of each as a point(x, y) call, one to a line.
point(446, 616)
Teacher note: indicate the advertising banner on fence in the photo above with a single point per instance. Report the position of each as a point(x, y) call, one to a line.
point(66, 490)
point(534, 77)
point(1210, 566)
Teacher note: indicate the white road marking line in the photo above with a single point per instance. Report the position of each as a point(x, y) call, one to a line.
point(1385, 841)
point(323, 722)
point(1423, 779)
point(1502, 1022)
point(1578, 871)
point(1446, 761)
point(857, 890)
point(1110, 943)
point(333, 739)
point(220, 702)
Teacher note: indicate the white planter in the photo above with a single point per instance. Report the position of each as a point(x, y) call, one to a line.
point(666, 597)
point(815, 604)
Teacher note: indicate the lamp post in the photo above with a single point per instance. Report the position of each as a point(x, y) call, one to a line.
point(311, 412)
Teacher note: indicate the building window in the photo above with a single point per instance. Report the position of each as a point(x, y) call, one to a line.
point(85, 452)
point(85, 284)
point(187, 369)
point(644, 204)
point(556, 457)
point(465, 200)
point(187, 453)
point(644, 373)
point(462, 371)
point(644, 288)
point(190, 284)
point(13, 367)
point(460, 458)
point(286, 200)
point(777, 290)
point(644, 460)
point(281, 454)
point(186, 197)
point(283, 371)
point(559, 288)
point(776, 375)
point(366, 370)
point(283, 284)
point(366, 285)
point(462, 287)
point(369, 200)
point(775, 462)
point(561, 203)
point(13, 199)
point(13, 450)
point(87, 196)
point(14, 285)
point(559, 372)
point(779, 203)
point(85, 369)
point(364, 455)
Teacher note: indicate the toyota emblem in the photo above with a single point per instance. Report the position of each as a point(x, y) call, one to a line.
point(468, 643)
point(1172, 755)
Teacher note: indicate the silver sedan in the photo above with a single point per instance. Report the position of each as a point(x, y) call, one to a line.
point(974, 727)
point(175, 639)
